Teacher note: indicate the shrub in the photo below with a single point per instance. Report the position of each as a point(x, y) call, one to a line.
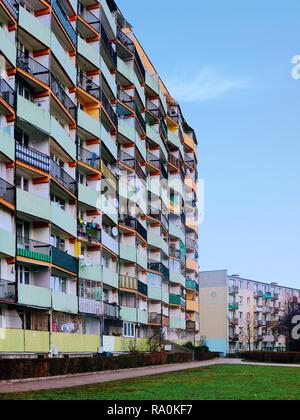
point(272, 357)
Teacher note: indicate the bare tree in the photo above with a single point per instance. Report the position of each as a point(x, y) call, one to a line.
point(284, 327)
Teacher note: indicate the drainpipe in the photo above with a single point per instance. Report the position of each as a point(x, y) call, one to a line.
point(51, 336)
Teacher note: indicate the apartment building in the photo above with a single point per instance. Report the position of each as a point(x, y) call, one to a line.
point(237, 314)
point(98, 197)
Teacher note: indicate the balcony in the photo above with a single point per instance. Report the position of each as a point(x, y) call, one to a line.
point(36, 251)
point(90, 306)
point(7, 48)
point(128, 283)
point(110, 278)
point(140, 118)
point(89, 18)
point(64, 302)
point(233, 290)
point(30, 112)
point(89, 196)
point(24, 341)
point(127, 100)
point(192, 306)
point(128, 253)
point(192, 285)
point(7, 291)
point(89, 231)
point(63, 220)
point(161, 217)
point(156, 319)
point(76, 343)
point(160, 268)
point(177, 300)
point(89, 86)
point(59, 91)
point(127, 44)
point(140, 65)
point(142, 316)
point(33, 204)
point(63, 19)
point(136, 225)
point(33, 67)
point(142, 288)
point(234, 322)
point(7, 192)
point(39, 297)
point(33, 157)
point(177, 323)
point(109, 242)
point(110, 52)
point(63, 178)
point(89, 158)
point(111, 311)
point(109, 110)
point(128, 314)
point(13, 7)
point(234, 306)
point(7, 94)
point(63, 260)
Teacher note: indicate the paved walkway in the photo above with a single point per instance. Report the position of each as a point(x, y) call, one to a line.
point(70, 381)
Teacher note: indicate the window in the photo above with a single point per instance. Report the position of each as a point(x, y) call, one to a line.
point(22, 183)
point(21, 137)
point(57, 242)
point(58, 201)
point(128, 329)
point(59, 284)
point(23, 275)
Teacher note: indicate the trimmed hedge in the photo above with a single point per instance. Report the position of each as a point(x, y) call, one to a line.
point(37, 368)
point(272, 357)
point(206, 356)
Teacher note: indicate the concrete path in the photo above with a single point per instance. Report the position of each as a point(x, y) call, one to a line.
point(70, 381)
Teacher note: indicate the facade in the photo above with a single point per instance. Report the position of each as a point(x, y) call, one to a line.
point(236, 313)
point(98, 173)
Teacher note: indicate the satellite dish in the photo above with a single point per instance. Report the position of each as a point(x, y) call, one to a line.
point(115, 231)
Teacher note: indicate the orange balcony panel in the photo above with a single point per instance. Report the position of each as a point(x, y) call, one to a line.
point(192, 265)
point(189, 142)
point(190, 183)
point(192, 306)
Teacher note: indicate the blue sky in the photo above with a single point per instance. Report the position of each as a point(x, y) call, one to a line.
point(229, 64)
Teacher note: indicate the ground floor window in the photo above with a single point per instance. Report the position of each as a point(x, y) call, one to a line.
point(128, 329)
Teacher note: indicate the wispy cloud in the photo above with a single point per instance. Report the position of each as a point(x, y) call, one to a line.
point(207, 84)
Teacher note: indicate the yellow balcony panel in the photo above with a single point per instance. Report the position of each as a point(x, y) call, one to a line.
point(76, 343)
point(11, 341)
point(192, 306)
point(37, 341)
point(122, 344)
point(192, 265)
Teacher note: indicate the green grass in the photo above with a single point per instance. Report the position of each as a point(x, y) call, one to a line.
point(223, 382)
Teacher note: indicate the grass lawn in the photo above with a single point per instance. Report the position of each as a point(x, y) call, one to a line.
point(221, 382)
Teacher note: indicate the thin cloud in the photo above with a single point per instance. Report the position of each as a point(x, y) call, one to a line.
point(205, 85)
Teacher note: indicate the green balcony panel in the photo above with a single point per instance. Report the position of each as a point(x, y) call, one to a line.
point(142, 260)
point(63, 58)
point(109, 143)
point(192, 284)
point(7, 144)
point(110, 78)
point(234, 306)
point(63, 220)
point(177, 278)
point(142, 317)
point(128, 314)
point(155, 137)
point(33, 26)
point(33, 255)
point(34, 296)
point(127, 71)
point(153, 83)
point(62, 138)
point(176, 232)
point(63, 260)
point(155, 293)
point(7, 243)
point(93, 273)
point(154, 240)
point(33, 204)
point(7, 47)
point(166, 296)
point(64, 303)
point(177, 300)
point(88, 123)
point(110, 278)
point(154, 186)
point(88, 52)
point(177, 323)
point(30, 112)
point(127, 130)
point(128, 253)
point(89, 196)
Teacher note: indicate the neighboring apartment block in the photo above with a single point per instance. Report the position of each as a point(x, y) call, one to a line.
point(237, 313)
point(98, 197)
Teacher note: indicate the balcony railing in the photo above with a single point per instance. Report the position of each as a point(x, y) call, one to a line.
point(7, 92)
point(175, 162)
point(89, 17)
point(154, 160)
point(160, 268)
point(64, 260)
point(192, 284)
point(160, 216)
point(33, 67)
point(91, 159)
point(154, 109)
point(126, 99)
point(191, 243)
point(7, 290)
point(140, 117)
point(173, 112)
point(59, 92)
point(7, 191)
point(158, 319)
point(109, 109)
point(127, 159)
point(111, 311)
point(109, 242)
point(111, 52)
point(140, 173)
point(136, 225)
point(34, 250)
point(89, 86)
point(13, 7)
point(125, 40)
point(142, 288)
point(62, 177)
point(127, 282)
point(32, 157)
point(140, 65)
point(58, 10)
